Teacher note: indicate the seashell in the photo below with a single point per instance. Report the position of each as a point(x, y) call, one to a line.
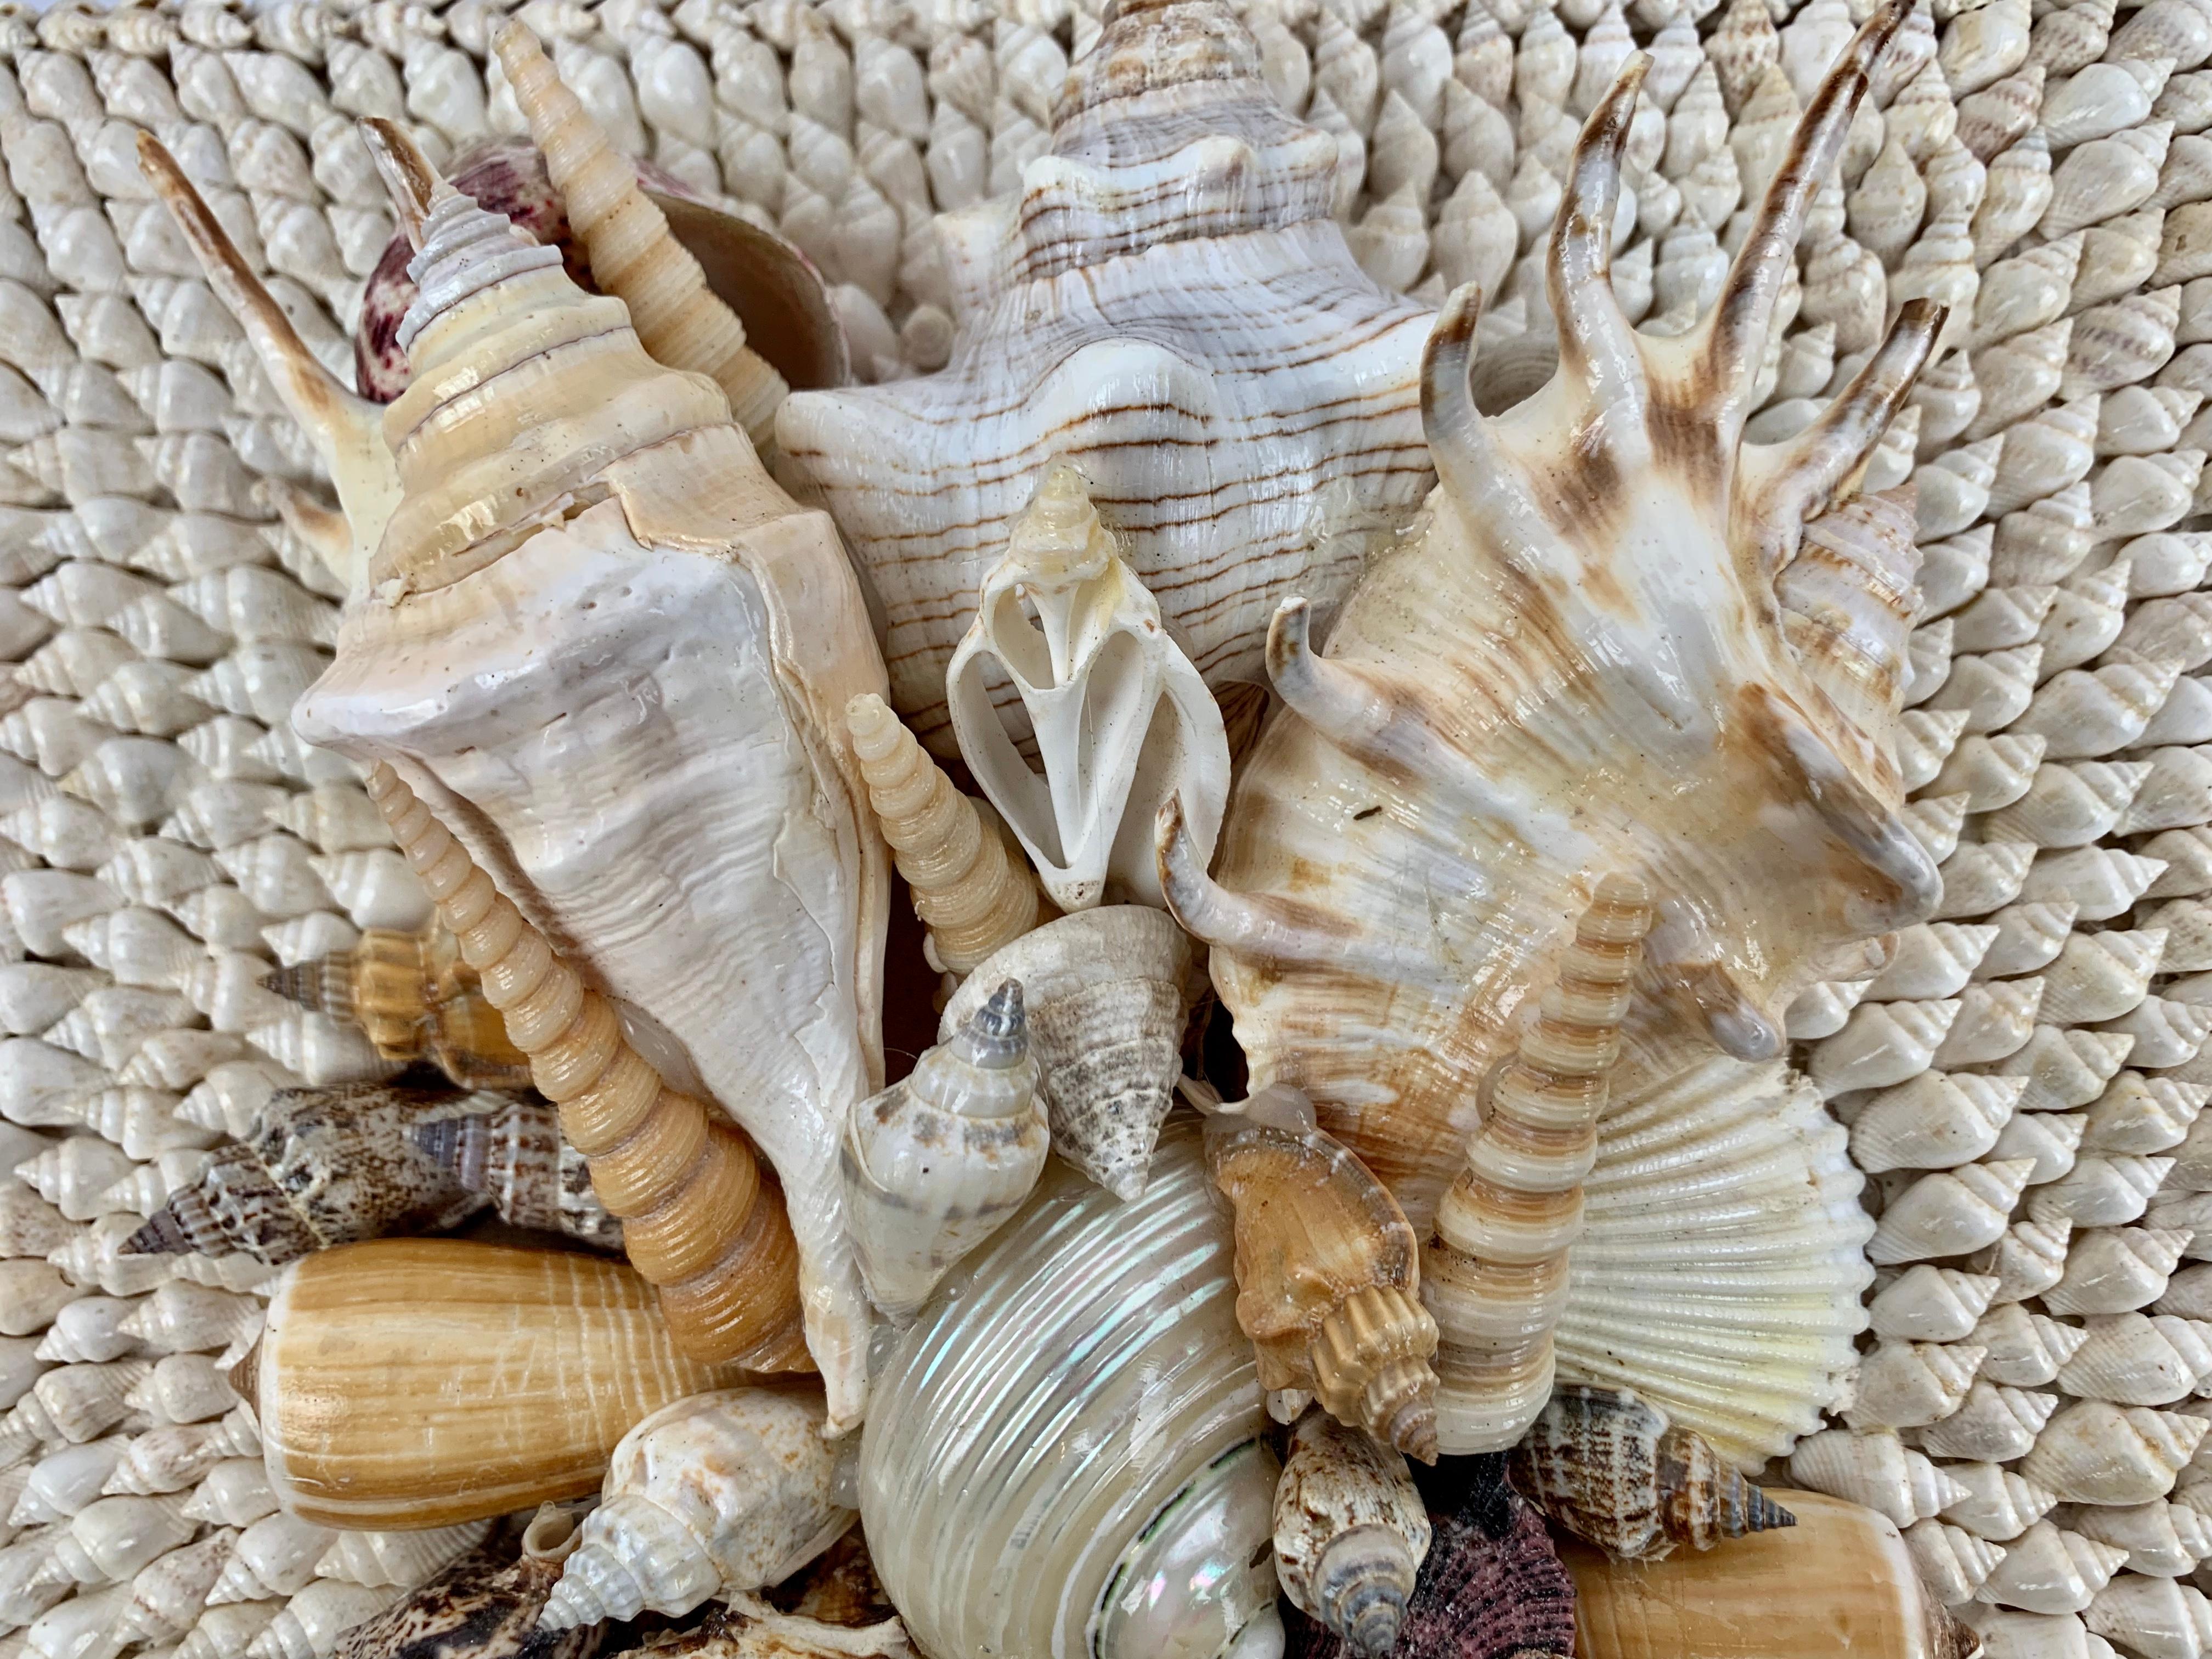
point(2100, 1191)
point(2116, 344)
point(634, 253)
point(168, 1594)
point(1348, 1327)
point(1985, 45)
point(72, 1174)
point(1093, 1526)
point(2117, 1270)
point(2095, 1452)
point(1498, 1259)
point(970, 893)
point(928, 1180)
point(1994, 1019)
point(1822, 1010)
point(401, 1447)
point(1991, 771)
point(1235, 558)
point(829, 867)
point(110, 1539)
point(2002, 113)
point(1839, 1563)
point(309, 1624)
point(1954, 1562)
point(275, 1556)
point(2117, 256)
point(1351, 1532)
point(1882, 1044)
point(2130, 1360)
point(2100, 976)
point(1650, 1223)
point(1109, 698)
point(1886, 205)
point(1105, 994)
point(2016, 198)
point(2105, 178)
point(2048, 1570)
point(171, 1458)
point(1877, 1470)
point(1995, 1502)
point(2051, 1140)
point(2024, 1350)
point(1996, 1423)
point(185, 1388)
point(2088, 712)
point(1908, 1385)
point(413, 997)
point(1613, 1469)
point(2151, 1616)
point(2068, 806)
point(1932, 1121)
point(1948, 1214)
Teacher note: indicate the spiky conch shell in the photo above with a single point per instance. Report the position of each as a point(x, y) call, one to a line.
point(1170, 304)
point(578, 527)
point(986, 1547)
point(415, 999)
point(1668, 730)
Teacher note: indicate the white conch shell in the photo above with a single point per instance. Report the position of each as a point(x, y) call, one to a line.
point(1350, 1531)
point(2094, 1452)
point(938, 1161)
point(504, 667)
point(1120, 718)
point(1878, 1470)
point(985, 1546)
point(1927, 1303)
point(1105, 994)
point(1994, 1424)
point(720, 1492)
point(2045, 1570)
point(1170, 305)
point(1994, 1502)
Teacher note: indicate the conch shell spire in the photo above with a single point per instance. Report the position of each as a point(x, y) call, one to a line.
point(347, 431)
point(1496, 1269)
point(701, 1220)
point(967, 887)
point(634, 255)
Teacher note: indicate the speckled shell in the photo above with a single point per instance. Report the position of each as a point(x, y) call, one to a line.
point(1612, 1469)
point(324, 1167)
point(485, 1605)
point(1176, 236)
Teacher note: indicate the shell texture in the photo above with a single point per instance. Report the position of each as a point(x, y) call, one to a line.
point(116, 333)
point(758, 982)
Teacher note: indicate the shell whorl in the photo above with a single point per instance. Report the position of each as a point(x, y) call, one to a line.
point(967, 888)
point(413, 1000)
point(634, 255)
point(702, 1220)
point(525, 387)
point(1495, 1274)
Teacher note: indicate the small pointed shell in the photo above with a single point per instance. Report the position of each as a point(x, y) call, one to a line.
point(1949, 1214)
point(1995, 1502)
point(2094, 1452)
point(1350, 1531)
point(1993, 1424)
point(1908, 1385)
point(1875, 1469)
point(2049, 1571)
point(1927, 1303)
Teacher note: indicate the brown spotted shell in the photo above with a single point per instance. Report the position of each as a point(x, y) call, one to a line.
point(485, 1605)
point(775, 291)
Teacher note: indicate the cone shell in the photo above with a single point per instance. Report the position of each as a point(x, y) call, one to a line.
point(376, 1405)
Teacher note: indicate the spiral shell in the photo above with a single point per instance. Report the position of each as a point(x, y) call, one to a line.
point(1351, 1532)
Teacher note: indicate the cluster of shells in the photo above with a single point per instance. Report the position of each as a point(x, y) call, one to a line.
point(2022, 1083)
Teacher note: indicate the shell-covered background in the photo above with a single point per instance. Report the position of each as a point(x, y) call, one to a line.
point(167, 841)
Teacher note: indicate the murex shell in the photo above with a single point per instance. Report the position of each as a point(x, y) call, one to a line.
point(1583, 663)
point(607, 652)
point(1170, 304)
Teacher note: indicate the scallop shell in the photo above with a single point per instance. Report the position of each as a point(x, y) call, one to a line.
point(790, 655)
point(1310, 447)
point(397, 1441)
point(1179, 1481)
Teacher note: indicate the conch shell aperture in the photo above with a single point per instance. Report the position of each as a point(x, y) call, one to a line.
point(613, 659)
point(1585, 661)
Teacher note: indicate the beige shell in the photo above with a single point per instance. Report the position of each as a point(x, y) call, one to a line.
point(1877, 1470)
point(2049, 1571)
point(1927, 1303)
point(1497, 1265)
point(2094, 1452)
point(1336, 986)
point(718, 1493)
point(359, 1380)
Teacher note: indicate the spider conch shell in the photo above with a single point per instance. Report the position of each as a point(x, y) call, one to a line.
point(939, 1160)
point(1170, 305)
point(1122, 719)
point(605, 649)
point(1484, 718)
